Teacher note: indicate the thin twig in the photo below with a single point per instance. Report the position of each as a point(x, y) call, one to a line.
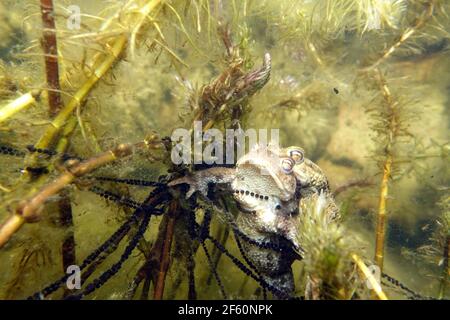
point(19, 104)
point(29, 210)
point(351, 184)
point(419, 23)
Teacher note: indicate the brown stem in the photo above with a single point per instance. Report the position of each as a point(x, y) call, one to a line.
point(132, 287)
point(68, 245)
point(146, 271)
point(164, 259)
point(146, 288)
point(50, 48)
point(143, 274)
point(66, 221)
point(351, 184)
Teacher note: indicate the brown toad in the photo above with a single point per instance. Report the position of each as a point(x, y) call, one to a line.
point(267, 183)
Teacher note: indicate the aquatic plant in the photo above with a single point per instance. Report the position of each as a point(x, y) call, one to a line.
point(86, 114)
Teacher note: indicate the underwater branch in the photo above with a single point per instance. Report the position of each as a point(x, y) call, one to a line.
point(29, 210)
point(392, 131)
point(19, 104)
point(381, 221)
point(115, 49)
point(164, 258)
point(50, 48)
point(418, 24)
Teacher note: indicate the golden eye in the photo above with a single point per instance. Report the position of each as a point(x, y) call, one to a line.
point(287, 164)
point(296, 154)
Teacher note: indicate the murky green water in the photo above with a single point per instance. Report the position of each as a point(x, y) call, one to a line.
point(361, 86)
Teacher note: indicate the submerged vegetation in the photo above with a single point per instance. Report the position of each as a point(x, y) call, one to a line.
point(90, 94)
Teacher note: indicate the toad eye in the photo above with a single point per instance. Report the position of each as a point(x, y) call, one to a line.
point(296, 154)
point(287, 164)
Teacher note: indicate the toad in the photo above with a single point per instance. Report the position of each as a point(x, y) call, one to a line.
point(267, 184)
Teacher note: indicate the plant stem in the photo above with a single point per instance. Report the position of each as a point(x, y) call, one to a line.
point(164, 259)
point(419, 23)
point(351, 184)
point(392, 130)
point(445, 268)
point(376, 287)
point(50, 48)
point(57, 124)
point(381, 218)
point(18, 104)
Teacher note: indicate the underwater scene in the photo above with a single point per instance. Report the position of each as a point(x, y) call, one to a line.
point(224, 149)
